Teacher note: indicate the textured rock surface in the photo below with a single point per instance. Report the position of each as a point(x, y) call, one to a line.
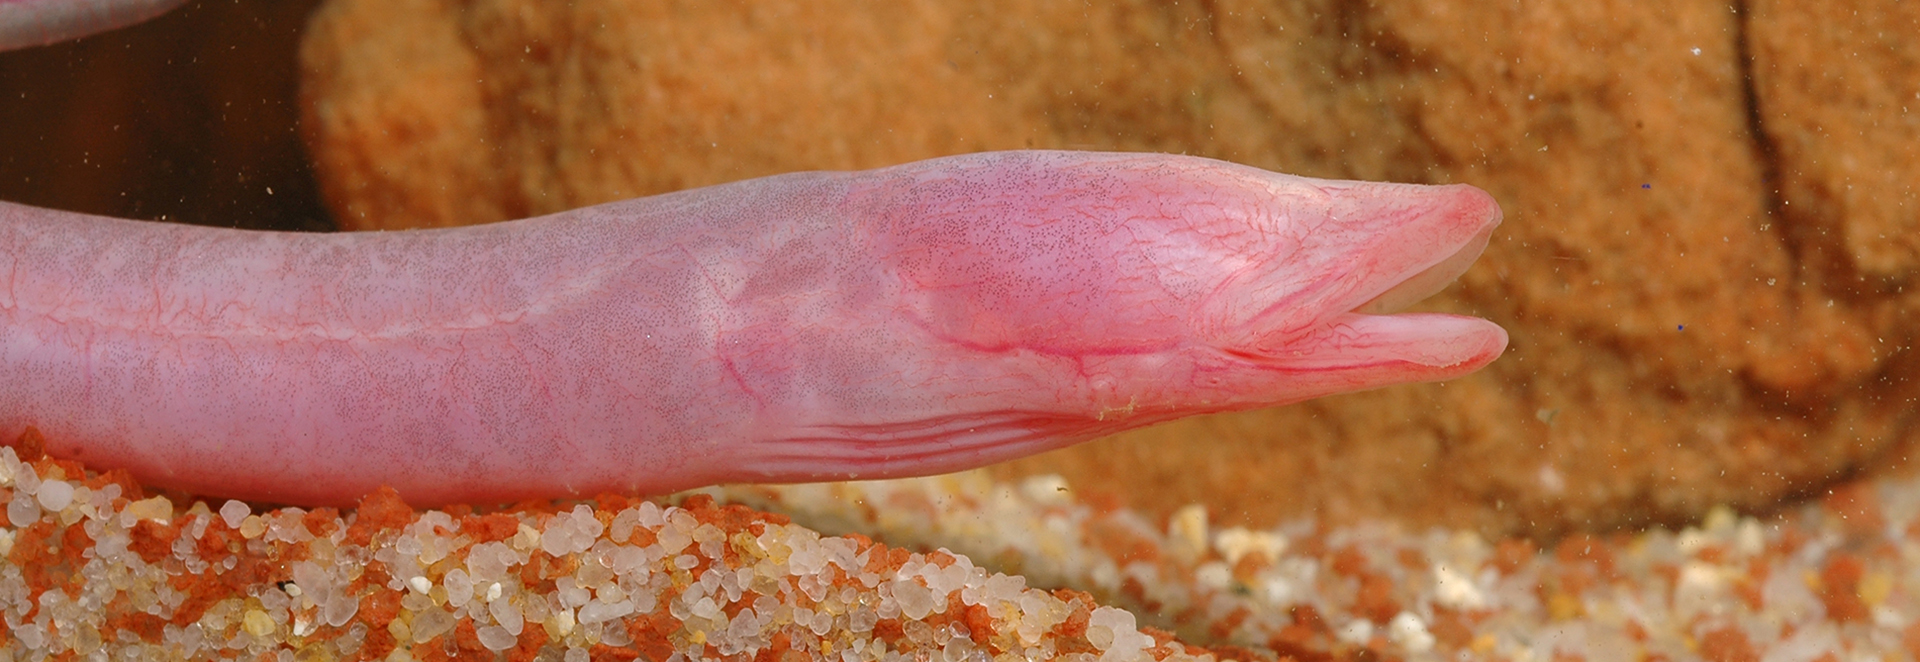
point(419, 120)
point(1839, 102)
point(1704, 276)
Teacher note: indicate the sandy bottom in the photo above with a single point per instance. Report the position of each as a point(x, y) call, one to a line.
point(96, 567)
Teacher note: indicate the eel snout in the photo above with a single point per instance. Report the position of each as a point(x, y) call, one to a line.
point(1339, 260)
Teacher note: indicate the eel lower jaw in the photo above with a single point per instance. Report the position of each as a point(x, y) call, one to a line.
point(1424, 345)
point(1405, 347)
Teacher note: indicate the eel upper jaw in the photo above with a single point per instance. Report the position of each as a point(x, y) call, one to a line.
point(1429, 281)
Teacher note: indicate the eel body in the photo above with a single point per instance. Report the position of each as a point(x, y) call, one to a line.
point(26, 23)
point(909, 320)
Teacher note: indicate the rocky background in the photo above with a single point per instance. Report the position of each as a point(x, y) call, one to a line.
point(1709, 206)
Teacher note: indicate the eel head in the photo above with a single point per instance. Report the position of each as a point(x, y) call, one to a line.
point(1038, 299)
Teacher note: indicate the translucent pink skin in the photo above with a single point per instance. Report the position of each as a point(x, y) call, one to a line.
point(26, 23)
point(911, 320)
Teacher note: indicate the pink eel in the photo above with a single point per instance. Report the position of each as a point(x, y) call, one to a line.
point(910, 320)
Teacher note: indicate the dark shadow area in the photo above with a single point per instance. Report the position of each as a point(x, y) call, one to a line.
point(192, 117)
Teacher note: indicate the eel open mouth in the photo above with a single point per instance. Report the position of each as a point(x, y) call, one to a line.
point(1418, 240)
point(1429, 281)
